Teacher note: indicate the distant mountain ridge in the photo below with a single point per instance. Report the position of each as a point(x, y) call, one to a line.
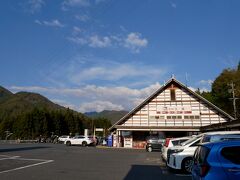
point(4, 94)
point(20, 102)
point(111, 115)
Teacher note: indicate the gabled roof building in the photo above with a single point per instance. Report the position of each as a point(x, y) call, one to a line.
point(173, 110)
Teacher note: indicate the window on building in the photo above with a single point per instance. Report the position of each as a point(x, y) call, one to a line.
point(173, 95)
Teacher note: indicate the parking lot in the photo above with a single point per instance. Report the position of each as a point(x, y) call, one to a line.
point(57, 161)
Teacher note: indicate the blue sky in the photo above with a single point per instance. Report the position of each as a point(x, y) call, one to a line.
point(92, 55)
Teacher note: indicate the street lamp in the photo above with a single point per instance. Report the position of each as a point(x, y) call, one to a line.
point(8, 134)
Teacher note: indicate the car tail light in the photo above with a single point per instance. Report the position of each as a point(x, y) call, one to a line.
point(167, 142)
point(200, 160)
point(204, 169)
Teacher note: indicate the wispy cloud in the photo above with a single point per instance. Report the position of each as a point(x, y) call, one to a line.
point(34, 6)
point(76, 31)
point(78, 40)
point(100, 42)
point(75, 3)
point(53, 23)
point(93, 41)
point(112, 71)
point(83, 18)
point(134, 41)
point(173, 5)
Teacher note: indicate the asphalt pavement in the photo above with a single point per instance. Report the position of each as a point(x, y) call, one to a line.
point(57, 161)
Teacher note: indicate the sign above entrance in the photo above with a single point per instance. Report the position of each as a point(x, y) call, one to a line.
point(174, 110)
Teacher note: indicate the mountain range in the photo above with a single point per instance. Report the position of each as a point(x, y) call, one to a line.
point(111, 115)
point(23, 101)
point(11, 103)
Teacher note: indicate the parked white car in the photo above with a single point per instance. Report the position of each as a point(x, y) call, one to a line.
point(63, 138)
point(181, 157)
point(80, 140)
point(170, 142)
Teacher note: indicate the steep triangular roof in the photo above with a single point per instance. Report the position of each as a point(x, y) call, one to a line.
point(161, 89)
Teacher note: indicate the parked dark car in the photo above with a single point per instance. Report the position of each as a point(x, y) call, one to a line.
point(217, 160)
point(154, 143)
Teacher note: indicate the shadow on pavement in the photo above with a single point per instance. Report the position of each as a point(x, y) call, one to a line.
point(23, 148)
point(147, 172)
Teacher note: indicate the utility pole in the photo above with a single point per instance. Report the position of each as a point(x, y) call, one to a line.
point(234, 100)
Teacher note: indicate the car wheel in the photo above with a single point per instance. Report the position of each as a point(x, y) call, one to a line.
point(187, 165)
point(68, 143)
point(149, 149)
point(84, 143)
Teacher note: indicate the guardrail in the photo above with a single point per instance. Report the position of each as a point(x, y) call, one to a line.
point(17, 141)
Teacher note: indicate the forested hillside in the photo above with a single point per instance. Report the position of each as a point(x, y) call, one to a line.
point(28, 115)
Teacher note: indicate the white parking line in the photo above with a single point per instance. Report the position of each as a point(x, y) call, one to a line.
point(27, 166)
point(13, 157)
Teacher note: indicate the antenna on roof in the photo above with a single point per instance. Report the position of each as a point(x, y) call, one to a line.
point(173, 76)
point(186, 78)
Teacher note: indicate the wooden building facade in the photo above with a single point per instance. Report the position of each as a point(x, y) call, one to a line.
point(173, 110)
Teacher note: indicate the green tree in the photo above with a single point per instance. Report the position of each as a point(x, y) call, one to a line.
point(221, 89)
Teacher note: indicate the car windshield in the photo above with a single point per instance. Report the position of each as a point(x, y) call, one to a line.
point(178, 142)
point(190, 141)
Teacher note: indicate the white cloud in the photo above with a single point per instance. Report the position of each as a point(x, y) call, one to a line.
point(174, 5)
point(99, 106)
point(64, 104)
point(94, 41)
point(76, 31)
point(199, 89)
point(53, 23)
point(38, 22)
point(75, 3)
point(29, 88)
point(82, 18)
point(95, 98)
point(100, 42)
point(78, 40)
point(206, 82)
point(34, 6)
point(114, 72)
point(135, 42)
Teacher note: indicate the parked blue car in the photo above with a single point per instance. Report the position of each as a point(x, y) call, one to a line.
point(217, 160)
